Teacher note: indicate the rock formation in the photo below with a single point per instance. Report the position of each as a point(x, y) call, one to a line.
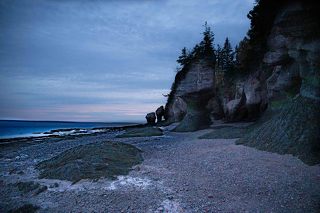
point(294, 53)
point(289, 64)
point(160, 113)
point(194, 88)
point(151, 118)
point(283, 77)
point(293, 85)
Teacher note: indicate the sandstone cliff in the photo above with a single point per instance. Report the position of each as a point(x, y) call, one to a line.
point(288, 63)
point(291, 70)
point(192, 89)
point(282, 76)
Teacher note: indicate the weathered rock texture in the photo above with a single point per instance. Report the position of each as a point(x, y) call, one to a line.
point(295, 130)
point(285, 63)
point(215, 108)
point(289, 66)
point(198, 78)
point(160, 113)
point(91, 161)
point(151, 118)
point(192, 89)
point(293, 57)
point(294, 53)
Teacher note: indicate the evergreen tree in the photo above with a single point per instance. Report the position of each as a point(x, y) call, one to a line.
point(184, 57)
point(227, 61)
point(207, 43)
point(219, 57)
point(196, 51)
point(203, 50)
point(241, 55)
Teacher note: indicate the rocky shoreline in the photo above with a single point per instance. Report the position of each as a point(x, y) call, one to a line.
point(180, 173)
point(203, 157)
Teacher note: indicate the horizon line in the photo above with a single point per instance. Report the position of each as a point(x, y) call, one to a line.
point(22, 120)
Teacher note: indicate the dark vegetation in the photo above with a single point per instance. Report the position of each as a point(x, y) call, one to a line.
point(27, 208)
point(142, 132)
point(286, 131)
point(30, 186)
point(26, 187)
point(92, 161)
point(291, 125)
point(252, 48)
point(225, 133)
point(281, 129)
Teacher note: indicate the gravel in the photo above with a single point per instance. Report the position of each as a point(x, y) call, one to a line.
point(180, 173)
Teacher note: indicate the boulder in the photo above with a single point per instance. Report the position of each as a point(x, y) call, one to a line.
point(236, 109)
point(255, 90)
point(215, 108)
point(160, 113)
point(151, 118)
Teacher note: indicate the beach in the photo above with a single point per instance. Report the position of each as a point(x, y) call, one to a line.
point(179, 173)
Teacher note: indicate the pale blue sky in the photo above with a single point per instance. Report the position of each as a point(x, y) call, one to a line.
point(101, 60)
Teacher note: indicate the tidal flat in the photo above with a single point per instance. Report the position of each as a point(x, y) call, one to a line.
point(179, 173)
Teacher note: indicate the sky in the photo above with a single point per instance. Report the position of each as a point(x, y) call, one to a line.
point(95, 60)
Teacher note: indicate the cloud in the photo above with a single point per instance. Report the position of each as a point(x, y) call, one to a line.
point(85, 53)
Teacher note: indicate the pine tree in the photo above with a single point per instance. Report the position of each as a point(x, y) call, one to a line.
point(184, 57)
point(203, 50)
point(227, 56)
point(196, 51)
point(219, 57)
point(207, 42)
point(241, 55)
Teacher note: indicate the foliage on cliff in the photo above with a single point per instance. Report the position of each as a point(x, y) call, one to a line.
point(201, 51)
point(252, 48)
point(295, 130)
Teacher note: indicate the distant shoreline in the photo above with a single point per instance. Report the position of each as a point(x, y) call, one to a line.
point(21, 141)
point(11, 130)
point(57, 121)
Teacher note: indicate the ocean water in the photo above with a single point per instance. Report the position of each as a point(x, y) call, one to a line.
point(13, 129)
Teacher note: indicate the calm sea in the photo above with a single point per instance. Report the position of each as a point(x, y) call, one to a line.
point(12, 129)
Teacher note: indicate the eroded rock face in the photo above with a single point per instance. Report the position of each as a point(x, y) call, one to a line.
point(160, 113)
point(200, 76)
point(179, 109)
point(151, 118)
point(193, 87)
point(294, 54)
point(250, 98)
point(235, 109)
point(215, 108)
point(290, 66)
point(292, 57)
point(176, 110)
point(283, 79)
